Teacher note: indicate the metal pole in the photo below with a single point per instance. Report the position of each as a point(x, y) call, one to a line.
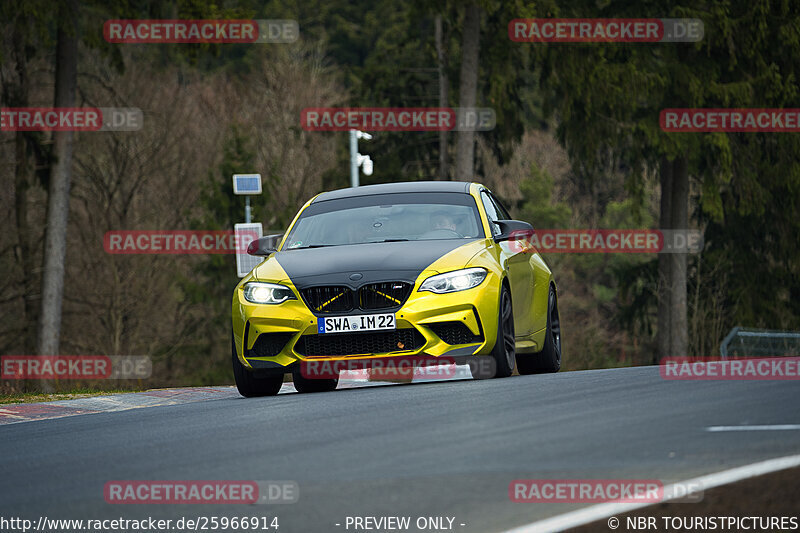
point(247, 210)
point(353, 158)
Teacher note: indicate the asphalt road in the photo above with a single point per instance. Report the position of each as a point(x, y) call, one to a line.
point(447, 449)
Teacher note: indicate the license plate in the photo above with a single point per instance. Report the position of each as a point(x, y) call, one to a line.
point(349, 324)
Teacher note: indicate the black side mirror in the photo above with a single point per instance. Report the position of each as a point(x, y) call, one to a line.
point(264, 245)
point(512, 229)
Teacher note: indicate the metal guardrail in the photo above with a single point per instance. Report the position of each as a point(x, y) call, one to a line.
point(748, 342)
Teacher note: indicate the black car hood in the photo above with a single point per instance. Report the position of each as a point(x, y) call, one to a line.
point(385, 261)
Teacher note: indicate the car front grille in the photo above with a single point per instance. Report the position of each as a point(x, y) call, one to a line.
point(455, 333)
point(373, 342)
point(341, 299)
point(385, 295)
point(328, 299)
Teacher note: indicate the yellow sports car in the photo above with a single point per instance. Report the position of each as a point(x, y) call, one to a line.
point(424, 269)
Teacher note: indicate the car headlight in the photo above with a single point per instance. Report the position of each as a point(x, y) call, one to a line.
point(267, 293)
point(459, 280)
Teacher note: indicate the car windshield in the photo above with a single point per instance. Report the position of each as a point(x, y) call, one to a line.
point(384, 220)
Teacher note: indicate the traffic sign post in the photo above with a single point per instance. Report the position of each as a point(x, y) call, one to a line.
point(356, 159)
point(246, 185)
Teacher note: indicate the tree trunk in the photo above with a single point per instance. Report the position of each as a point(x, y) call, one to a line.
point(678, 286)
point(468, 88)
point(663, 329)
point(58, 193)
point(443, 100)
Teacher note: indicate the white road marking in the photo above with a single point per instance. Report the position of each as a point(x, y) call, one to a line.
point(774, 427)
point(603, 511)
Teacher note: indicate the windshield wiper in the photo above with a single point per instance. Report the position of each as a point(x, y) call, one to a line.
point(326, 245)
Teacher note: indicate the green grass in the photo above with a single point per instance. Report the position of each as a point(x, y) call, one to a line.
point(35, 397)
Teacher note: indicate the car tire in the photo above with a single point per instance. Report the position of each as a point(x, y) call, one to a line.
point(248, 384)
point(304, 384)
point(501, 362)
point(548, 360)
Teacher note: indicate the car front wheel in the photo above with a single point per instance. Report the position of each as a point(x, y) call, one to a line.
point(248, 384)
point(501, 362)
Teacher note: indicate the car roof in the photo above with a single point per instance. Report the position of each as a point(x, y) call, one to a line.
point(390, 188)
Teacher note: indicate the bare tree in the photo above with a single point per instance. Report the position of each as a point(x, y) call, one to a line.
point(535, 148)
point(443, 97)
point(672, 335)
point(679, 324)
point(468, 89)
point(129, 180)
point(152, 178)
point(292, 159)
point(58, 194)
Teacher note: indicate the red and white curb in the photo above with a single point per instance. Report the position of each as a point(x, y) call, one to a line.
point(29, 412)
point(361, 378)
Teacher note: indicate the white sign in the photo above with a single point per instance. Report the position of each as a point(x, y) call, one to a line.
point(246, 232)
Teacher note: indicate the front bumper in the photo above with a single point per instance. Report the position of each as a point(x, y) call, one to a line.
point(276, 338)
